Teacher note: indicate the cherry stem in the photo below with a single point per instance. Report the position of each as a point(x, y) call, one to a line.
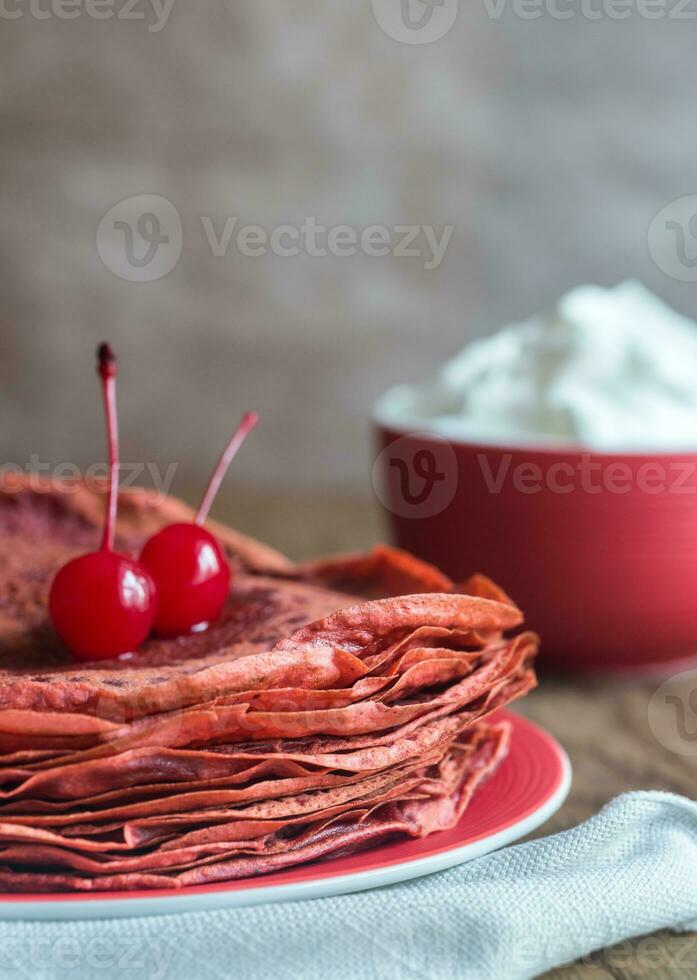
point(106, 368)
point(249, 420)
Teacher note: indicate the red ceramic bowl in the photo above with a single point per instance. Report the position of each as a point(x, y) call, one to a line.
point(599, 550)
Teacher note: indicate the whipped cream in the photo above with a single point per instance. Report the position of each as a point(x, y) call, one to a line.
point(606, 369)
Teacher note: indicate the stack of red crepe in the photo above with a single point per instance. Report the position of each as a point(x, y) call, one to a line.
point(334, 705)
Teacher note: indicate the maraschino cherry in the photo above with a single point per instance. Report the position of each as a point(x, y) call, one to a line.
point(103, 604)
point(187, 563)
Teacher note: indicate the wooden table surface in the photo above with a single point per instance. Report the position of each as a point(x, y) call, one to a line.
point(602, 724)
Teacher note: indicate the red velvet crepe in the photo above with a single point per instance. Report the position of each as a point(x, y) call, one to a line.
point(335, 704)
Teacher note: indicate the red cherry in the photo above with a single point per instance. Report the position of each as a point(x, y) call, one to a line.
point(193, 578)
point(103, 604)
point(191, 572)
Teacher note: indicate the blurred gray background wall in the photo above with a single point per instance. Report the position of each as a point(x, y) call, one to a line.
point(548, 144)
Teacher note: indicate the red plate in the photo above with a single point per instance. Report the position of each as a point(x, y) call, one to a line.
point(527, 788)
